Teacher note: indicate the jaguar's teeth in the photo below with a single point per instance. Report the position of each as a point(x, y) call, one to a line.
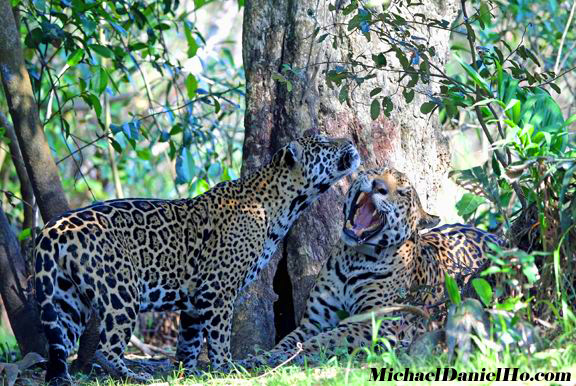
point(360, 197)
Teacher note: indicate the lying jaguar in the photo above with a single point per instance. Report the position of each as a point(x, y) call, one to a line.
point(121, 257)
point(380, 259)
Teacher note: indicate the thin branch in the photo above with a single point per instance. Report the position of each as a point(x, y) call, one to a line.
point(78, 150)
point(557, 64)
point(218, 94)
point(62, 126)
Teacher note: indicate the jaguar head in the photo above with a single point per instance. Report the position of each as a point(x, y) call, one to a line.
point(383, 209)
point(314, 163)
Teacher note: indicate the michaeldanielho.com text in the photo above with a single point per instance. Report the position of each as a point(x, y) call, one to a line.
point(386, 374)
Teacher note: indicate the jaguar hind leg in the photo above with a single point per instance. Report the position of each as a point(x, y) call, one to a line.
point(190, 338)
point(118, 319)
point(63, 316)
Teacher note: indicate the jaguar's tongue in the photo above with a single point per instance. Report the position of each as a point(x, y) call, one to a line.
point(366, 217)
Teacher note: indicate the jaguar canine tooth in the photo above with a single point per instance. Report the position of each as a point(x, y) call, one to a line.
point(360, 197)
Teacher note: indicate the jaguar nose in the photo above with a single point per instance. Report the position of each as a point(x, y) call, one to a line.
point(380, 187)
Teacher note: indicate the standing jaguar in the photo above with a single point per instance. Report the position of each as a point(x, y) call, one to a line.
point(381, 259)
point(121, 257)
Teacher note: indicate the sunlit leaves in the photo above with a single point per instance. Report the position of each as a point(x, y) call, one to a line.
point(474, 75)
point(483, 289)
point(191, 86)
point(469, 203)
point(75, 57)
point(101, 50)
point(452, 289)
point(99, 80)
point(484, 16)
point(191, 40)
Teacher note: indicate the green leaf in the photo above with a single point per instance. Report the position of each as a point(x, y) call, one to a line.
point(408, 95)
point(388, 105)
point(515, 107)
point(427, 107)
point(452, 289)
point(570, 120)
point(487, 101)
point(484, 13)
point(93, 101)
point(24, 234)
point(75, 57)
point(192, 45)
point(191, 85)
point(483, 289)
point(343, 95)
point(469, 203)
point(379, 60)
point(374, 109)
point(116, 145)
point(144, 154)
point(377, 91)
point(100, 81)
point(555, 88)
point(101, 50)
point(476, 77)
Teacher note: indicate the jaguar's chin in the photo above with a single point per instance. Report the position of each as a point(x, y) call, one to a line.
point(364, 220)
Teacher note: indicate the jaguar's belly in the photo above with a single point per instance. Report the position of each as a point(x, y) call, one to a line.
point(164, 299)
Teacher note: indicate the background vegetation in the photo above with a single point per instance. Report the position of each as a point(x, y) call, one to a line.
point(145, 98)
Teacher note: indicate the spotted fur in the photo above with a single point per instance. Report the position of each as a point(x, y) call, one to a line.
point(380, 261)
point(120, 257)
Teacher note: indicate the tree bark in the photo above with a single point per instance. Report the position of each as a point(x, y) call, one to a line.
point(14, 288)
point(26, 191)
point(40, 165)
point(278, 33)
point(41, 173)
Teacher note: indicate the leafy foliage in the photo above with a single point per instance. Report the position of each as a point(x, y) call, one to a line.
point(91, 60)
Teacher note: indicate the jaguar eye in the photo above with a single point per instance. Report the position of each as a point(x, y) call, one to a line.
point(403, 193)
point(382, 191)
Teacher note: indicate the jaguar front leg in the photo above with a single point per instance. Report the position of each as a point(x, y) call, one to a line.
point(218, 333)
point(211, 319)
point(347, 335)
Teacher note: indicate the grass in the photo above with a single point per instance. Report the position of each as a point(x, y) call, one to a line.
point(559, 356)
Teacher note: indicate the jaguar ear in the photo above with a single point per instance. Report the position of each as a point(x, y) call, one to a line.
point(291, 155)
point(427, 220)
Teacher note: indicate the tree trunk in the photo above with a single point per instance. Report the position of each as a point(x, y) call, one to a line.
point(40, 165)
point(21, 308)
point(26, 191)
point(278, 33)
point(42, 174)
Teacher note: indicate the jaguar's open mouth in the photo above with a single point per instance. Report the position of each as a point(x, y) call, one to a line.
point(364, 220)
